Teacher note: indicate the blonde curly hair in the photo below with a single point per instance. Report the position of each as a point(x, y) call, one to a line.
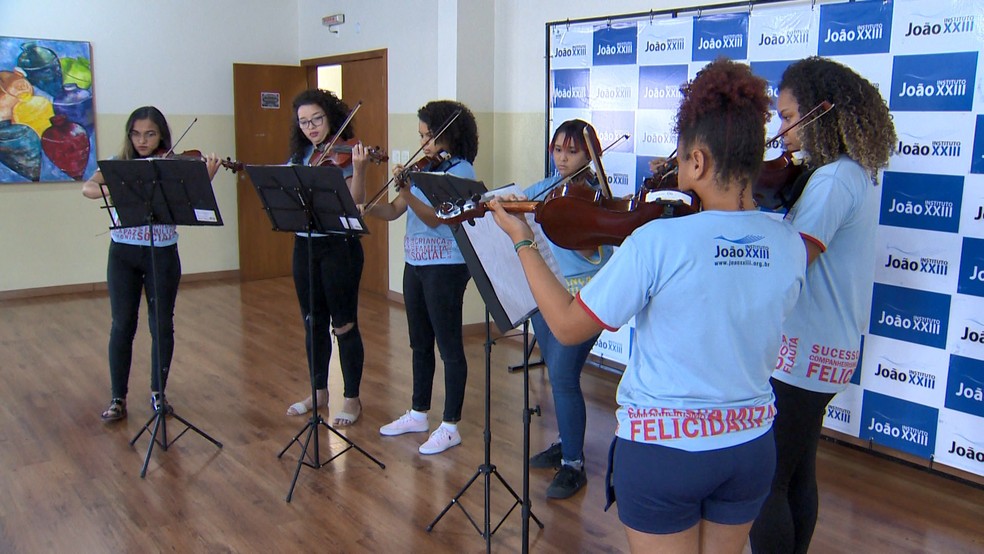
point(860, 125)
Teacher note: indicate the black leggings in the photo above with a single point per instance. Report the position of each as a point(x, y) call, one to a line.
point(337, 265)
point(434, 297)
point(129, 275)
point(789, 515)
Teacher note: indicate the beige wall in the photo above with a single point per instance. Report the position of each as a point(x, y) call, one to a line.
point(50, 235)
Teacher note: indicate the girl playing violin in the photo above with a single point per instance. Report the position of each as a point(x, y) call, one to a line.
point(434, 277)
point(693, 453)
point(337, 260)
point(564, 363)
point(128, 271)
point(837, 215)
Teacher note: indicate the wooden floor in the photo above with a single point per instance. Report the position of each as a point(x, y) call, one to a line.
point(72, 484)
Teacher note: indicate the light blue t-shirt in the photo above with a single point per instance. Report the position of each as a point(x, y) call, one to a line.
point(709, 292)
point(424, 245)
point(577, 268)
point(821, 340)
point(346, 173)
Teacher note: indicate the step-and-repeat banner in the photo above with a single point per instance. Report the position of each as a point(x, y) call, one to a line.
point(920, 384)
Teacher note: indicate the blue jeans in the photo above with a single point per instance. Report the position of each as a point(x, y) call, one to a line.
point(434, 297)
point(128, 275)
point(564, 365)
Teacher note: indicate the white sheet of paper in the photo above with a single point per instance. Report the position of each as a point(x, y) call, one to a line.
point(498, 256)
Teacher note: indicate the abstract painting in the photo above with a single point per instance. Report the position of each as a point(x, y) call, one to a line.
point(47, 119)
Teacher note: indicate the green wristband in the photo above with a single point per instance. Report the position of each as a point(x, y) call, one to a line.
point(525, 242)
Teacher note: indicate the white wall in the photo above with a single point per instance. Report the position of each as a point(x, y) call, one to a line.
point(177, 55)
point(408, 29)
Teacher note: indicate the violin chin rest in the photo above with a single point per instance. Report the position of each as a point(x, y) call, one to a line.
point(669, 195)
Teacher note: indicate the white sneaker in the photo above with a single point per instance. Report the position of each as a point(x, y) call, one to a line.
point(405, 424)
point(440, 440)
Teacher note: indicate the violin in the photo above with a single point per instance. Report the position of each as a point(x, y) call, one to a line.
point(782, 179)
point(423, 164)
point(197, 156)
point(665, 176)
point(340, 154)
point(575, 216)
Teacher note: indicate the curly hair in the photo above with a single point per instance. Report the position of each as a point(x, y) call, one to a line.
point(725, 108)
point(573, 131)
point(335, 109)
point(155, 116)
point(461, 137)
point(860, 125)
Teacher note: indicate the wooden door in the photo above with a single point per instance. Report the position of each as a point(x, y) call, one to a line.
point(262, 135)
point(365, 79)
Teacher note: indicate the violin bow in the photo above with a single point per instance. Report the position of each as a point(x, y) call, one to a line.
point(589, 133)
point(583, 168)
point(175, 144)
point(379, 194)
point(338, 133)
point(823, 105)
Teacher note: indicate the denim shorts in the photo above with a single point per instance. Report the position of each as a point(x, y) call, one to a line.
point(663, 490)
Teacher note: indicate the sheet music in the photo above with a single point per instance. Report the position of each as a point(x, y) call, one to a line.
point(498, 256)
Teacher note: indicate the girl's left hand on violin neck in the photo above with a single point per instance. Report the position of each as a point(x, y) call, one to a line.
point(516, 227)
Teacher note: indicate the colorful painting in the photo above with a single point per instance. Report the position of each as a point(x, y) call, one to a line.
point(47, 120)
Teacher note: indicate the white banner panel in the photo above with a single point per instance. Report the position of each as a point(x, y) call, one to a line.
point(920, 384)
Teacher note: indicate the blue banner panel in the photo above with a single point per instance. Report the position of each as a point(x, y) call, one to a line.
point(721, 35)
point(971, 278)
point(933, 82)
point(615, 45)
point(965, 386)
point(855, 28)
point(920, 201)
point(911, 315)
point(570, 88)
point(899, 424)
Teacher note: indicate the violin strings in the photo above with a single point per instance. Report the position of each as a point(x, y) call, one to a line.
point(338, 133)
point(572, 176)
point(175, 143)
point(403, 174)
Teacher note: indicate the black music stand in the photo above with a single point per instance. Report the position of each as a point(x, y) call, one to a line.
point(307, 199)
point(160, 192)
point(477, 242)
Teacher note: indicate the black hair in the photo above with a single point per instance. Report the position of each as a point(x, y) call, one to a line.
point(335, 110)
point(461, 138)
point(725, 108)
point(860, 125)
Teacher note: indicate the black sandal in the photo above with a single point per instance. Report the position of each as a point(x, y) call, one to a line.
point(116, 410)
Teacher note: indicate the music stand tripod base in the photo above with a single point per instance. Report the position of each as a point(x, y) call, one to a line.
point(487, 469)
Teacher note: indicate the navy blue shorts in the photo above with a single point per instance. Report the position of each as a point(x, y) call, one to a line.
point(662, 490)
